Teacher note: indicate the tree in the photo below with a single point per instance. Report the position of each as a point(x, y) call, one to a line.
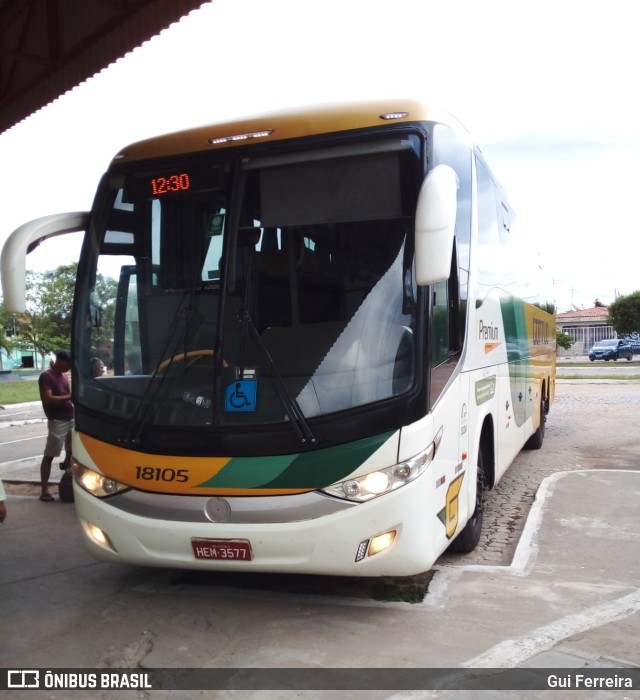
point(8, 336)
point(624, 314)
point(563, 340)
point(46, 326)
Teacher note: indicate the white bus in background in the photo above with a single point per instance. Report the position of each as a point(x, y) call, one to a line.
point(326, 344)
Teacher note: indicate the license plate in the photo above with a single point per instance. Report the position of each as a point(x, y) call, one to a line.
point(222, 550)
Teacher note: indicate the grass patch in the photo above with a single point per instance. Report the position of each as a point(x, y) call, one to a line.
point(589, 377)
point(596, 363)
point(19, 391)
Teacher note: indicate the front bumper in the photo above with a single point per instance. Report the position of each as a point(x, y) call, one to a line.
point(327, 544)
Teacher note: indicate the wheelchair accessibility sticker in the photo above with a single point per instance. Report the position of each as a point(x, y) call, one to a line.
point(241, 396)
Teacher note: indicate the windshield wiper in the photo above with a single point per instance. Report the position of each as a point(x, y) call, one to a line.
point(291, 406)
point(151, 399)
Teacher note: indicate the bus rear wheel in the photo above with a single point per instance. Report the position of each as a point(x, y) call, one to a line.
point(469, 536)
point(536, 440)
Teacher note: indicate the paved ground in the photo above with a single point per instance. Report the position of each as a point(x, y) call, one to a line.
point(568, 603)
point(553, 584)
point(592, 425)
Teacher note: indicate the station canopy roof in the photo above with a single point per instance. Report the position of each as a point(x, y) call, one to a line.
point(48, 47)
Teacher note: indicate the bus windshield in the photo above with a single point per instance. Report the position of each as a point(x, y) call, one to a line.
point(229, 292)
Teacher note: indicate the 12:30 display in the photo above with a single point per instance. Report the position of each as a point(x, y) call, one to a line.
point(170, 183)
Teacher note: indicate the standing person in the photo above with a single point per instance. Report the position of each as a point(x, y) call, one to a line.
point(3, 507)
point(55, 394)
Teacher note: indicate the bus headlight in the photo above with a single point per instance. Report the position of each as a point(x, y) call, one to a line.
point(368, 486)
point(95, 483)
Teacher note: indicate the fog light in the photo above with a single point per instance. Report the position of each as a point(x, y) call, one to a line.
point(97, 536)
point(381, 542)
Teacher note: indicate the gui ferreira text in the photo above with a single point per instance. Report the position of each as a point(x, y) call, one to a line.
point(581, 681)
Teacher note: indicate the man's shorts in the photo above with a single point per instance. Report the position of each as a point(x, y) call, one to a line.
point(59, 436)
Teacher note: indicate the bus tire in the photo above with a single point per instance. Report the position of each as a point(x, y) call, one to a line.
point(536, 440)
point(468, 538)
point(65, 487)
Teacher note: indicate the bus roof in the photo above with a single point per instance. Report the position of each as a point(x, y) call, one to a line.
point(281, 125)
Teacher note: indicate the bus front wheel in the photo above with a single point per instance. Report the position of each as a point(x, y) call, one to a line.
point(469, 536)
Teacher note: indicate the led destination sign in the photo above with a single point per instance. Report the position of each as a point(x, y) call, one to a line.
point(170, 183)
point(165, 182)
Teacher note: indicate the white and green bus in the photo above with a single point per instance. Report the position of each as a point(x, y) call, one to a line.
point(328, 340)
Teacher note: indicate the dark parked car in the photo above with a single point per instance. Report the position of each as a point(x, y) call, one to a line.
point(634, 341)
point(611, 350)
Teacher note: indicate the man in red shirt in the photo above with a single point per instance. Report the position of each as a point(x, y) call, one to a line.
point(55, 394)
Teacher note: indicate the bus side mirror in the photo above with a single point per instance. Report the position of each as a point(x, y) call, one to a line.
point(435, 225)
point(22, 241)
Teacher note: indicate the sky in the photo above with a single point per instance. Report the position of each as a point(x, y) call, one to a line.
point(547, 88)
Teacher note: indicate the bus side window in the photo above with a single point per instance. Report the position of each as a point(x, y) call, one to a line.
point(440, 323)
point(498, 258)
